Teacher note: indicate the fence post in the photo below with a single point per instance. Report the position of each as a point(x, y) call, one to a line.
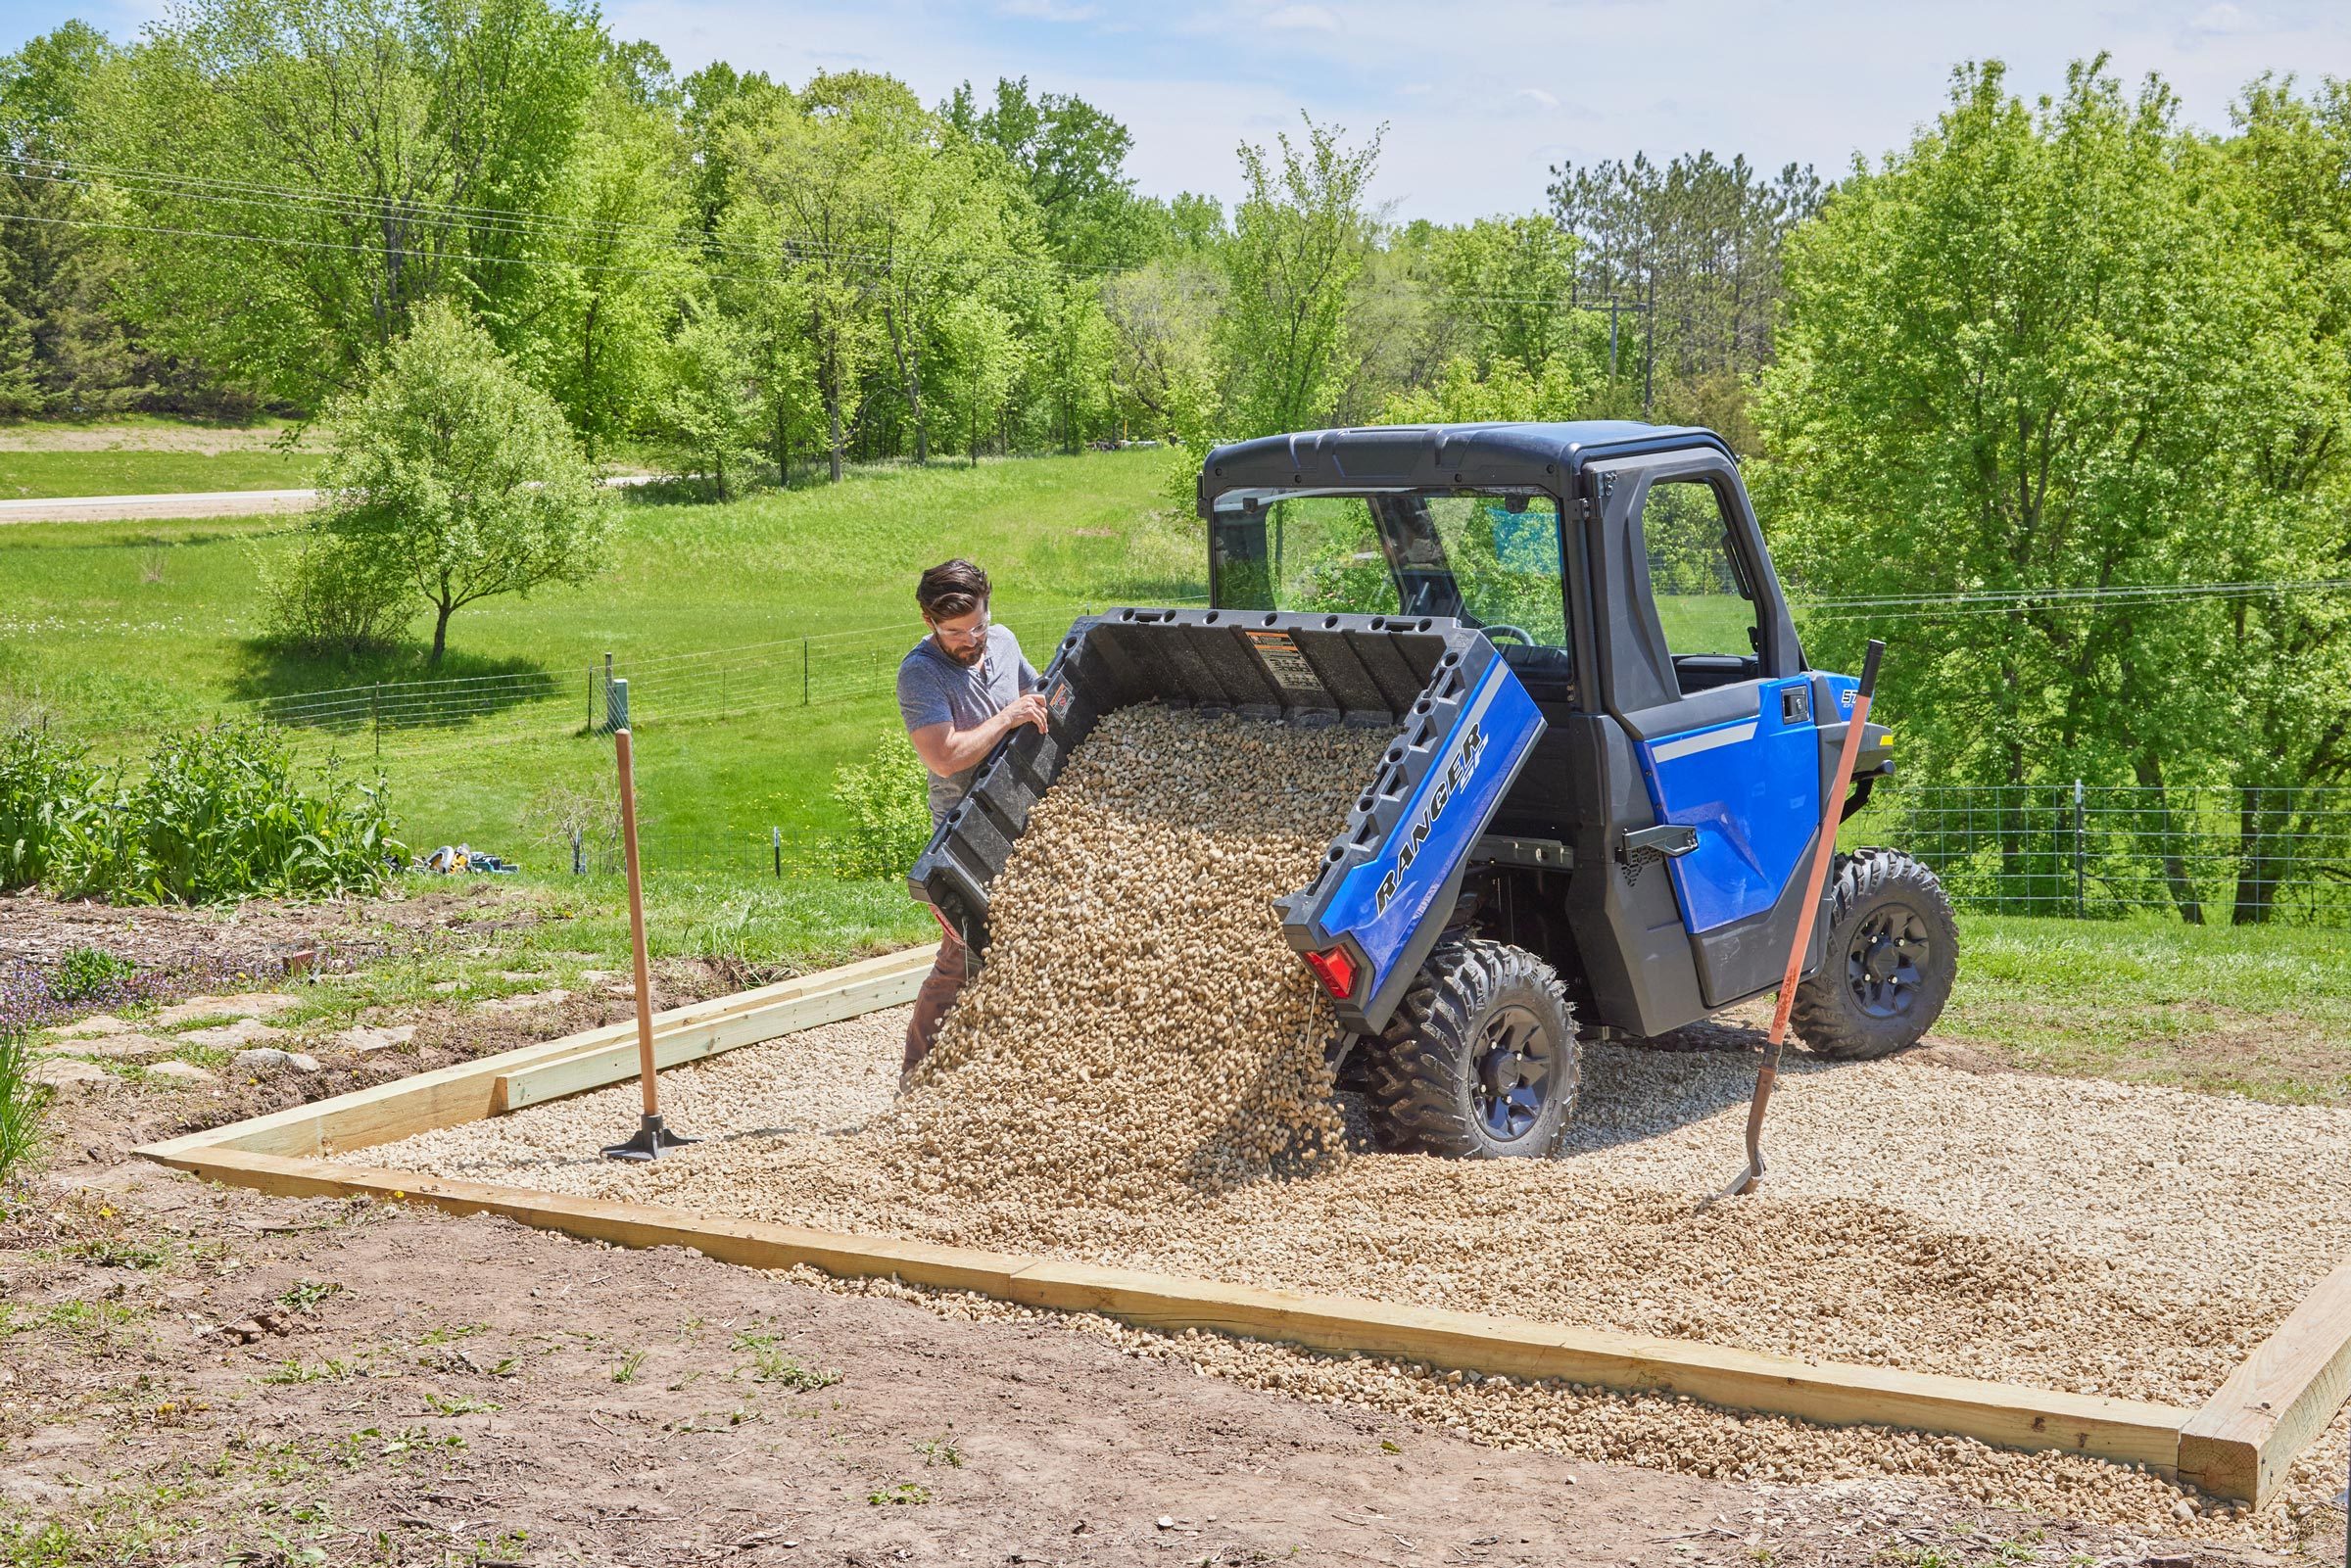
point(608, 692)
point(2078, 856)
point(375, 715)
point(775, 842)
point(592, 699)
point(579, 862)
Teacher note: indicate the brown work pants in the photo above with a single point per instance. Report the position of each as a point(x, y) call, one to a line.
point(939, 989)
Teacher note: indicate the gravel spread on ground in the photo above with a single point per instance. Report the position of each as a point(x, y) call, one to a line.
point(1140, 1085)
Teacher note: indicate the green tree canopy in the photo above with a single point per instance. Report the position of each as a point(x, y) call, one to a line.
point(448, 466)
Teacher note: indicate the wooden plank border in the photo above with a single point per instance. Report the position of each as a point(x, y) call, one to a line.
point(469, 1091)
point(2123, 1431)
point(2239, 1446)
point(2277, 1402)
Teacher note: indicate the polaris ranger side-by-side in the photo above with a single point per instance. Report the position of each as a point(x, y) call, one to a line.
point(1610, 761)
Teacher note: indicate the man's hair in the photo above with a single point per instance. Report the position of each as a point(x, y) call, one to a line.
point(951, 589)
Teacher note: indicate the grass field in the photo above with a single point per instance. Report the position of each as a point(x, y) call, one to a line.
point(33, 475)
point(115, 631)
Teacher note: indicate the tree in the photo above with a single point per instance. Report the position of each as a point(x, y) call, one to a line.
point(59, 265)
point(804, 202)
point(1513, 280)
point(590, 328)
point(708, 415)
point(1071, 158)
point(1299, 239)
point(1690, 254)
point(323, 167)
point(2024, 355)
point(449, 467)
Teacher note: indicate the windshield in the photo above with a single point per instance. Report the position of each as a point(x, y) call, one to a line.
point(1487, 559)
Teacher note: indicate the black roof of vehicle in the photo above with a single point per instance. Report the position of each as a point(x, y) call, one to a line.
point(1435, 456)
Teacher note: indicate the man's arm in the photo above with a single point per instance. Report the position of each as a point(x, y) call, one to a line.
point(946, 750)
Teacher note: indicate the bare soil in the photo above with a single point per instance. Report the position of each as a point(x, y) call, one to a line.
point(192, 1374)
point(204, 1375)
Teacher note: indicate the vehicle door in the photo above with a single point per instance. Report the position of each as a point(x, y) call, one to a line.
point(1701, 667)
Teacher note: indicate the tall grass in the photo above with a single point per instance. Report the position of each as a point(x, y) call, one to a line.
point(44, 790)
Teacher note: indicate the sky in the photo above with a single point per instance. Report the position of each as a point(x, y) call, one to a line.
point(1479, 99)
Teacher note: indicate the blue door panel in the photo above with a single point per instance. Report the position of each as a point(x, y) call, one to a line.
point(1751, 789)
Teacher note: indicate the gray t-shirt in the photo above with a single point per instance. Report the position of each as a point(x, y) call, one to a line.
point(933, 688)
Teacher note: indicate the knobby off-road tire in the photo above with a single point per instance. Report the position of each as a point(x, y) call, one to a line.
point(1892, 954)
point(1480, 1060)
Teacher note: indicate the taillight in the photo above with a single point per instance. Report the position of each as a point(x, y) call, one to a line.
point(1335, 970)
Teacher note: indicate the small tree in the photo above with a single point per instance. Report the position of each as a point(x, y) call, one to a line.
point(709, 416)
point(448, 467)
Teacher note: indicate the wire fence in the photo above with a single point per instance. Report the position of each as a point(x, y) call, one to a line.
point(2204, 855)
point(2217, 855)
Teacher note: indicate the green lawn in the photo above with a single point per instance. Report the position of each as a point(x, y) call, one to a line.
point(2264, 1011)
point(32, 475)
point(118, 630)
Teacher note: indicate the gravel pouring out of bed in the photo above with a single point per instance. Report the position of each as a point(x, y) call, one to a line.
point(1137, 1078)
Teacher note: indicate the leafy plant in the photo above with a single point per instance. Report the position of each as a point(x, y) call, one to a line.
point(21, 1101)
point(89, 972)
point(886, 804)
point(940, 1451)
point(903, 1494)
point(629, 1367)
point(44, 788)
point(219, 815)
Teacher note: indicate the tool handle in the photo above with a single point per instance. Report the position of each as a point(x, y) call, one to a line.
point(1869, 668)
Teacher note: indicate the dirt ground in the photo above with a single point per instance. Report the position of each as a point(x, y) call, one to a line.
point(209, 439)
point(191, 1374)
point(204, 1375)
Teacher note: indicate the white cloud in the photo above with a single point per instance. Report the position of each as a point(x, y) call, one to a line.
point(1538, 97)
point(2221, 19)
point(1414, 89)
point(1306, 18)
point(1047, 10)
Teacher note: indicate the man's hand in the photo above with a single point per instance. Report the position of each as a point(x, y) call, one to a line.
point(946, 750)
point(1027, 708)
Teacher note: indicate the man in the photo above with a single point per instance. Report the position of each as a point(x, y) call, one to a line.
point(963, 689)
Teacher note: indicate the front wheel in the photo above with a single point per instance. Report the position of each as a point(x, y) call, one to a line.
point(1892, 955)
point(1479, 1061)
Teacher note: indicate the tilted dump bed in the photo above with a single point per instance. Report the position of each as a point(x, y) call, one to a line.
point(1462, 723)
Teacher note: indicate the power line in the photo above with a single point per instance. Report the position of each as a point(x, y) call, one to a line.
point(492, 223)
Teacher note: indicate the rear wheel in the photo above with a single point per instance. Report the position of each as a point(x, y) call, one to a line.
point(1479, 1061)
point(1893, 953)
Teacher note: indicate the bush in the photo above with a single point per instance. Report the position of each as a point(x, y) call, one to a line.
point(45, 786)
point(330, 598)
point(885, 800)
point(218, 815)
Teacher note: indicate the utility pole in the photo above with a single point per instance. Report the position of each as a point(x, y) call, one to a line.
point(1649, 349)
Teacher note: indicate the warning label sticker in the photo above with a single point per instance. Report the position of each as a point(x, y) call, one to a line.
point(1288, 667)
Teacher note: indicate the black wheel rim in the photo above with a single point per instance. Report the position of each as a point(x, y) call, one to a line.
point(1516, 1064)
point(1886, 961)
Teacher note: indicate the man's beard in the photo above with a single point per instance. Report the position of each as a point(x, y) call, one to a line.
point(965, 656)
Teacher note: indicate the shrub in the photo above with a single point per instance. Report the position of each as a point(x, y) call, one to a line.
point(218, 815)
point(885, 800)
point(44, 786)
point(330, 598)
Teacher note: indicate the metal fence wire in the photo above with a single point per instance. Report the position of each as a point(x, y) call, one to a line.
point(2218, 854)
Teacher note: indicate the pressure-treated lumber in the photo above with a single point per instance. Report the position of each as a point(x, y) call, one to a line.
point(469, 1091)
point(2120, 1430)
point(887, 986)
point(2241, 1443)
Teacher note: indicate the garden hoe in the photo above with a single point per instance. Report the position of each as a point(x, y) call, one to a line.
point(653, 1138)
point(1824, 850)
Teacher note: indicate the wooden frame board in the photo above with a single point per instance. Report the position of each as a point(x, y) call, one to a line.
point(2239, 1444)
